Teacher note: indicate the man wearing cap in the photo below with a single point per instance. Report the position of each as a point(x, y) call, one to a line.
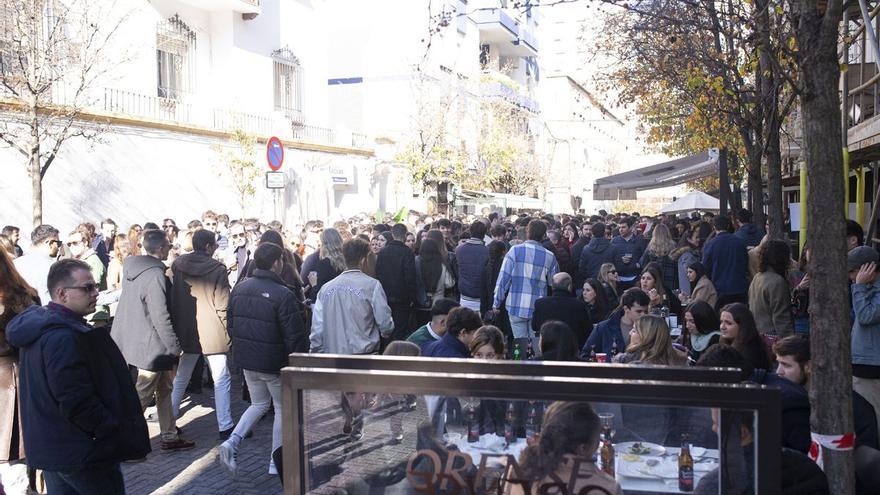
point(862, 265)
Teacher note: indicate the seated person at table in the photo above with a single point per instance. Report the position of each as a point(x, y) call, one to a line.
point(488, 343)
point(461, 324)
point(633, 304)
point(434, 329)
point(557, 342)
point(651, 343)
point(563, 451)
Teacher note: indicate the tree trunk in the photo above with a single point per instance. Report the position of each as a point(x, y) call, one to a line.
point(769, 95)
point(831, 379)
point(34, 164)
point(756, 188)
point(723, 181)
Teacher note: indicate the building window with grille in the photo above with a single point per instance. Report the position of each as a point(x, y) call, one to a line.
point(175, 52)
point(287, 76)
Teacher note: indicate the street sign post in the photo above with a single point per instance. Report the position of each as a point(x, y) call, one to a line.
point(275, 180)
point(274, 153)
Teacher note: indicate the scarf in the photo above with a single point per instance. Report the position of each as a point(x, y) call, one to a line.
point(700, 342)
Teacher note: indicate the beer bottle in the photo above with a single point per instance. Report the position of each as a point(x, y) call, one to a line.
point(606, 453)
point(592, 354)
point(614, 348)
point(530, 353)
point(532, 425)
point(517, 352)
point(510, 424)
point(685, 467)
point(473, 428)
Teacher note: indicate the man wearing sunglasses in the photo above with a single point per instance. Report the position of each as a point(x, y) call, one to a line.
point(80, 413)
point(34, 266)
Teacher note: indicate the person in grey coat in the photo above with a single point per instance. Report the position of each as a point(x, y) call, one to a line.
point(143, 332)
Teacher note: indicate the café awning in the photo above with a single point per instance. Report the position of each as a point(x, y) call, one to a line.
point(671, 173)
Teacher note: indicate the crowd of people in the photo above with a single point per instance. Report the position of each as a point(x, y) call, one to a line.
point(98, 324)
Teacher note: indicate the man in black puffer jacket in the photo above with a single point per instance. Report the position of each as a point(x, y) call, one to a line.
point(265, 322)
point(396, 271)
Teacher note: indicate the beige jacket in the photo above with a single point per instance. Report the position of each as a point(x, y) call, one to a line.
point(705, 291)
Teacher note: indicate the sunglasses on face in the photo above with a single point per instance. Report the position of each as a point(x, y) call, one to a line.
point(238, 236)
point(88, 288)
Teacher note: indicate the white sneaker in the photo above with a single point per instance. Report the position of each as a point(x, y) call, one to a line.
point(227, 456)
point(272, 468)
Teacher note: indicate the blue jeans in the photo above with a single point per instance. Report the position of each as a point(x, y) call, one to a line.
point(105, 480)
point(521, 327)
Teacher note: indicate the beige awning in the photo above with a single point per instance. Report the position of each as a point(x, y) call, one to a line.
point(671, 173)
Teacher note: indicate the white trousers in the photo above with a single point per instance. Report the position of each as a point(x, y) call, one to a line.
point(222, 383)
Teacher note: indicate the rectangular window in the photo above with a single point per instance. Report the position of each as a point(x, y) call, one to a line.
point(288, 85)
point(175, 59)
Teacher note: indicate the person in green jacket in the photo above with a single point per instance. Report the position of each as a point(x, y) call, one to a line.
point(435, 328)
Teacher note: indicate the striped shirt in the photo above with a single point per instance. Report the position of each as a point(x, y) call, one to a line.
point(525, 275)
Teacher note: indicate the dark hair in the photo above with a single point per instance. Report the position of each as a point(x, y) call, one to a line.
point(796, 346)
point(462, 319)
point(478, 229)
point(43, 232)
point(748, 340)
point(194, 224)
point(629, 221)
point(633, 296)
point(776, 256)
point(10, 229)
point(202, 239)
point(744, 215)
point(568, 426)
point(61, 272)
point(498, 231)
point(443, 222)
point(151, 226)
point(697, 267)
point(275, 225)
point(722, 223)
point(398, 231)
point(601, 305)
point(726, 356)
point(598, 229)
point(536, 230)
point(430, 263)
point(653, 268)
point(266, 254)
point(273, 237)
point(488, 335)
point(153, 240)
point(558, 342)
point(854, 229)
point(402, 348)
point(354, 251)
point(705, 318)
point(497, 250)
point(443, 306)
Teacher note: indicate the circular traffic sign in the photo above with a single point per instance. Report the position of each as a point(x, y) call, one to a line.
point(274, 153)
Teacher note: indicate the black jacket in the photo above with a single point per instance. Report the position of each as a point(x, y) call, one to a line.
point(567, 308)
point(396, 271)
point(79, 407)
point(265, 322)
point(593, 256)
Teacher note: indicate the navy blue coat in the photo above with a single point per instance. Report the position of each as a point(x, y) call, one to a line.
point(636, 247)
point(79, 407)
point(598, 252)
point(727, 264)
point(604, 335)
point(265, 322)
point(750, 234)
point(448, 346)
point(471, 257)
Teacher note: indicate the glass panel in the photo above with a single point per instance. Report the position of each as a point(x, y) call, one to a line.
point(391, 443)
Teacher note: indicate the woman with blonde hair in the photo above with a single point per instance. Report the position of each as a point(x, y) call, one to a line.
point(659, 251)
point(651, 343)
point(121, 250)
point(330, 262)
point(608, 278)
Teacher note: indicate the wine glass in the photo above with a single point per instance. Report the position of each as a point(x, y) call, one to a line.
point(607, 421)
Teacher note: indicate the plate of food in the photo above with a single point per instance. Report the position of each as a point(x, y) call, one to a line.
point(639, 448)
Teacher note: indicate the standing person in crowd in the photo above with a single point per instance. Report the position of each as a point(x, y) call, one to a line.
point(564, 306)
point(702, 325)
point(94, 242)
point(433, 278)
point(701, 285)
point(7, 245)
point(616, 329)
point(266, 325)
point(34, 266)
point(134, 238)
point(410, 242)
point(14, 233)
point(145, 335)
point(855, 235)
point(579, 242)
point(651, 282)
point(595, 255)
point(461, 324)
point(200, 294)
point(15, 297)
point(770, 293)
point(396, 271)
point(488, 281)
point(239, 254)
point(526, 273)
point(80, 413)
point(629, 246)
point(687, 252)
point(434, 329)
point(651, 343)
point(750, 233)
point(349, 317)
point(608, 277)
point(659, 251)
point(330, 263)
point(597, 300)
point(114, 269)
point(727, 263)
point(738, 329)
point(211, 223)
point(289, 273)
point(559, 248)
point(862, 265)
point(471, 257)
point(557, 342)
point(79, 242)
point(108, 236)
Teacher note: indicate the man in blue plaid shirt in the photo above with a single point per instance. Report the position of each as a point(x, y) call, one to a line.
point(526, 273)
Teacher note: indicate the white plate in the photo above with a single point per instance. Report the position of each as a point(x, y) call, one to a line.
point(655, 450)
point(698, 452)
point(638, 469)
